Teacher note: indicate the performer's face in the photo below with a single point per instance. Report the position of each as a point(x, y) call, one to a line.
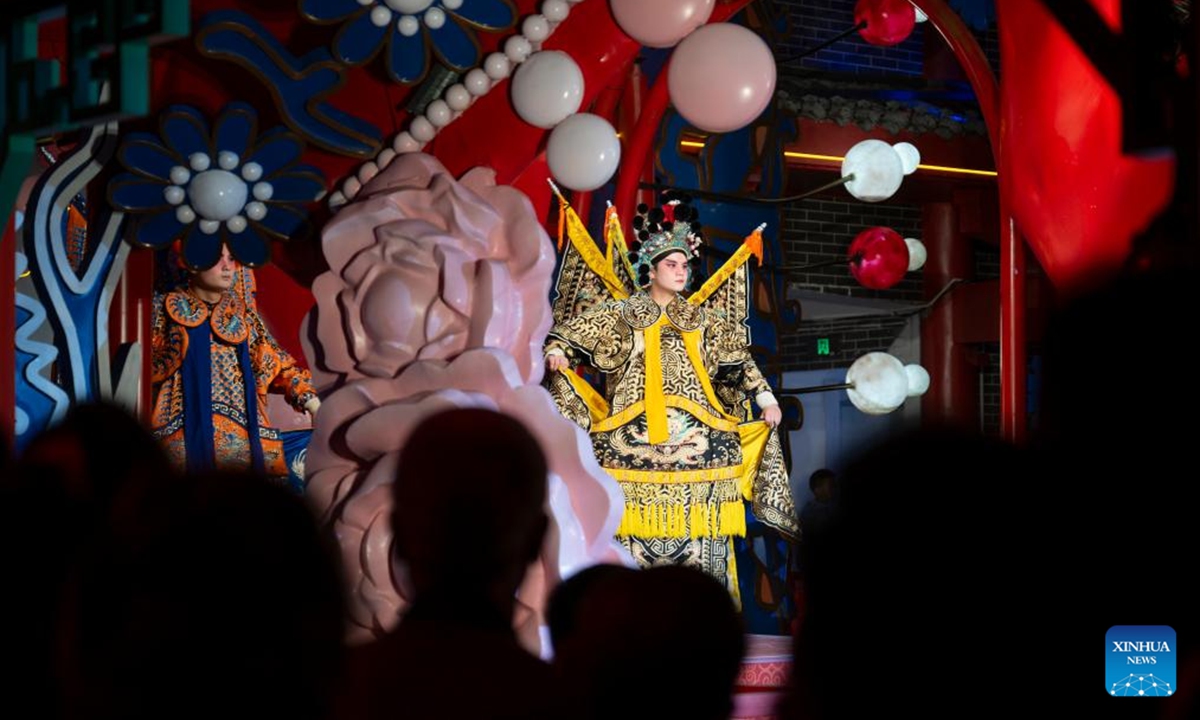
point(219, 277)
point(670, 273)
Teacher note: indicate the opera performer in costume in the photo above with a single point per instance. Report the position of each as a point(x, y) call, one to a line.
point(674, 424)
point(213, 363)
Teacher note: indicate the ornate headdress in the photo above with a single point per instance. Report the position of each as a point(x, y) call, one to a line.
point(674, 227)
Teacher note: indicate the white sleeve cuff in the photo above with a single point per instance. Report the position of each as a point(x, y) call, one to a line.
point(765, 399)
point(555, 351)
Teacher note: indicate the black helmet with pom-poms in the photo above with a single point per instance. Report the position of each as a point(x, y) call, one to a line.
point(673, 227)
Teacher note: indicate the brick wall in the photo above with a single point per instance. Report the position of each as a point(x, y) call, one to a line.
point(848, 340)
point(813, 22)
point(816, 230)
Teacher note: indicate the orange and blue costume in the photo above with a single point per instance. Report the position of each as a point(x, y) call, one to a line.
point(213, 365)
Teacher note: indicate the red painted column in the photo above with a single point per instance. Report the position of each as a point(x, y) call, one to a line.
point(1012, 331)
point(953, 396)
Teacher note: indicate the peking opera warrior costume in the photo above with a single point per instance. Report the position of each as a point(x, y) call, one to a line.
point(212, 367)
point(674, 423)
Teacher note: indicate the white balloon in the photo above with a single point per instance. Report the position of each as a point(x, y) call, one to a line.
point(439, 113)
point(497, 66)
point(458, 97)
point(916, 254)
point(477, 82)
point(536, 28)
point(583, 152)
point(918, 380)
point(422, 130)
point(877, 170)
point(555, 10)
point(910, 157)
point(517, 48)
point(880, 383)
point(547, 88)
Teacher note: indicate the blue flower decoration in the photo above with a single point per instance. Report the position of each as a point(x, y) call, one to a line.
point(229, 186)
point(403, 26)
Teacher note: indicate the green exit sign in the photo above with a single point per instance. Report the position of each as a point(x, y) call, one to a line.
point(822, 346)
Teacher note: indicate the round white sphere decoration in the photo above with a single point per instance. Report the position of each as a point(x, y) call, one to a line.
point(457, 97)
point(405, 143)
point(174, 194)
point(555, 10)
point(408, 26)
point(422, 130)
point(477, 82)
point(435, 18)
point(439, 113)
point(910, 157)
point(409, 7)
point(877, 169)
point(517, 48)
point(263, 191)
point(880, 383)
point(536, 28)
point(236, 224)
point(380, 16)
point(918, 379)
point(180, 175)
point(199, 161)
point(583, 152)
point(217, 194)
point(256, 210)
point(917, 254)
point(547, 88)
point(497, 66)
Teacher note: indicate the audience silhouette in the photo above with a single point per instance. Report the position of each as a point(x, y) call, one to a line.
point(468, 520)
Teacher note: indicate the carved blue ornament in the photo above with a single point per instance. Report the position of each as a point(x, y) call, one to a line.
point(407, 30)
point(208, 188)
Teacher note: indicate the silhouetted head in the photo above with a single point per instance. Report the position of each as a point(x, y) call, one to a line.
point(562, 611)
point(223, 594)
point(821, 482)
point(469, 500)
point(677, 624)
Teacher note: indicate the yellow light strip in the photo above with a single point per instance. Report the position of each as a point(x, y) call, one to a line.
point(837, 159)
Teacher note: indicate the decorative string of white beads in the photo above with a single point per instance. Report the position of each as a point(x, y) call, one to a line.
point(455, 100)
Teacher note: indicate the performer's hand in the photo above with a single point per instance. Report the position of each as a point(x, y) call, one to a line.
point(557, 362)
point(772, 415)
point(312, 406)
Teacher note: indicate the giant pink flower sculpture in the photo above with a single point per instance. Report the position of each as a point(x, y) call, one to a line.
point(438, 297)
point(426, 266)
